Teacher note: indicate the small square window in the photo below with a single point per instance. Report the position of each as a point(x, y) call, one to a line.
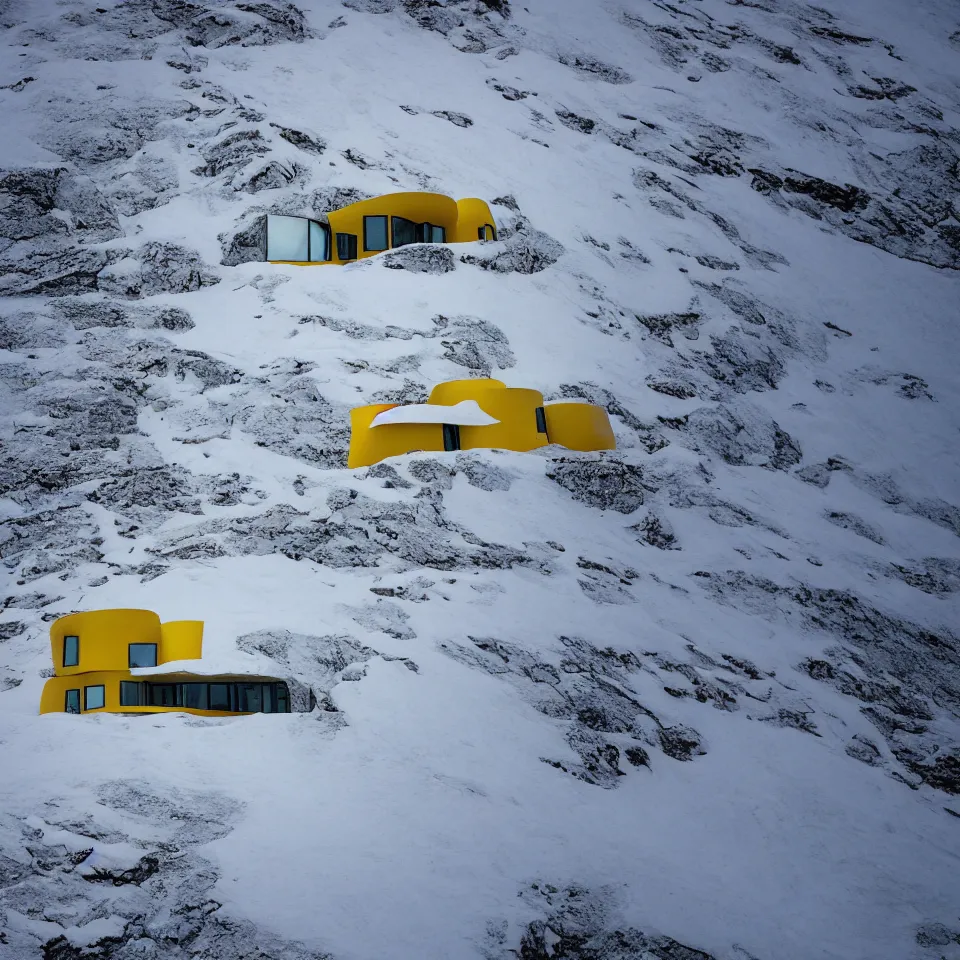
point(375, 233)
point(72, 704)
point(129, 693)
point(347, 246)
point(143, 654)
point(71, 651)
point(93, 697)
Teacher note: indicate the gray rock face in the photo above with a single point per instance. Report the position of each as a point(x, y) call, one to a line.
point(420, 258)
point(740, 437)
point(163, 901)
point(48, 219)
point(156, 268)
point(527, 251)
point(904, 673)
point(600, 481)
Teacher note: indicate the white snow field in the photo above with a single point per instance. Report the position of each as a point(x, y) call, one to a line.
point(694, 699)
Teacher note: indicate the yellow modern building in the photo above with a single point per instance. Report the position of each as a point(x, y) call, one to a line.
point(471, 414)
point(372, 226)
point(95, 655)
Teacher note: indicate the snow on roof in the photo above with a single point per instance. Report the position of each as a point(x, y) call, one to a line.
point(466, 413)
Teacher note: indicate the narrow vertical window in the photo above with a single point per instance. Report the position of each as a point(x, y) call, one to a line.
point(451, 436)
point(283, 698)
point(72, 704)
point(93, 697)
point(438, 235)
point(71, 651)
point(541, 420)
point(375, 233)
point(318, 242)
point(346, 246)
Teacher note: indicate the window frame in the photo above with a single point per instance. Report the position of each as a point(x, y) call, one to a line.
point(139, 666)
point(351, 242)
point(86, 696)
point(75, 637)
point(386, 233)
point(66, 701)
point(482, 232)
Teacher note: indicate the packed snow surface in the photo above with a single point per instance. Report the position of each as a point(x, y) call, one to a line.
point(697, 698)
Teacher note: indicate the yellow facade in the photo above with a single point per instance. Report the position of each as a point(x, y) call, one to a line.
point(95, 653)
point(525, 423)
point(405, 218)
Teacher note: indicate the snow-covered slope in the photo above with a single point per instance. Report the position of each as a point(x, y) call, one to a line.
point(697, 699)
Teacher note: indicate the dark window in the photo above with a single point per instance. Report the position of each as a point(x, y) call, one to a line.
point(429, 233)
point(451, 436)
point(541, 420)
point(404, 231)
point(347, 246)
point(165, 695)
point(251, 698)
point(375, 233)
point(71, 651)
point(72, 702)
point(486, 232)
point(283, 698)
point(93, 698)
point(195, 696)
point(143, 654)
point(129, 693)
point(219, 696)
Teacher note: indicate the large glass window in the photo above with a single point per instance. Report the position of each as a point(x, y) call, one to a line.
point(287, 238)
point(346, 246)
point(71, 651)
point(219, 696)
point(437, 234)
point(375, 233)
point(319, 242)
point(130, 693)
point(143, 655)
point(72, 702)
point(93, 698)
point(404, 231)
point(195, 696)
